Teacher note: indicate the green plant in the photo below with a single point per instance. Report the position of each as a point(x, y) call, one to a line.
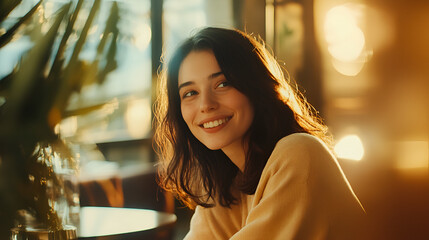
point(34, 99)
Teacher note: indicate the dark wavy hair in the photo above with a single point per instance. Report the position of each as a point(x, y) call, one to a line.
point(200, 176)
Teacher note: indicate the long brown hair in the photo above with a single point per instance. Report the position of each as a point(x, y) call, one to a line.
point(202, 176)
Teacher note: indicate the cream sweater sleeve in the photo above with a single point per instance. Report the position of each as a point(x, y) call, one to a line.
point(302, 194)
point(214, 223)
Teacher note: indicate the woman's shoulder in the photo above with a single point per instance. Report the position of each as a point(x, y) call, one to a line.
point(303, 140)
point(301, 143)
point(299, 150)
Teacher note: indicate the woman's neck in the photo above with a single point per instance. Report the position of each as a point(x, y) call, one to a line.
point(237, 154)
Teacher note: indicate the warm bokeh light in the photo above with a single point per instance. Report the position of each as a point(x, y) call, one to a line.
point(349, 147)
point(138, 117)
point(142, 36)
point(348, 68)
point(411, 154)
point(345, 38)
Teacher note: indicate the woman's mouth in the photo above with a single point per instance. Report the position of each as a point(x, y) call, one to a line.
point(215, 123)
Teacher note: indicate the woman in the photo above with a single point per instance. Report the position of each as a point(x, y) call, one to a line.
point(240, 144)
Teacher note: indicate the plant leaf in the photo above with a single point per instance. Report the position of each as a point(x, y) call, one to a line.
point(5, 83)
point(57, 64)
point(6, 7)
point(112, 27)
point(30, 74)
point(66, 84)
point(84, 110)
point(5, 38)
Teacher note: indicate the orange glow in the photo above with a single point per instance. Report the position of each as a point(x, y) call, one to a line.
point(54, 117)
point(411, 154)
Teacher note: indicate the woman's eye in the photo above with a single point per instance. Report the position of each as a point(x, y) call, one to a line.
point(223, 84)
point(189, 94)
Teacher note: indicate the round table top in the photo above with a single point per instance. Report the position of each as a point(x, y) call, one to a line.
point(108, 221)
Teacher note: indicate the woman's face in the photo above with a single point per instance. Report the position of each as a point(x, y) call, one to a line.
point(217, 114)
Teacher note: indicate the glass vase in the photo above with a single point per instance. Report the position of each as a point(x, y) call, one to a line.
point(54, 211)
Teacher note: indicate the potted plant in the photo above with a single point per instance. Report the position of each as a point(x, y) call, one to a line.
point(34, 99)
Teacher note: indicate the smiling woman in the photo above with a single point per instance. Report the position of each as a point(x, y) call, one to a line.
point(217, 114)
point(240, 144)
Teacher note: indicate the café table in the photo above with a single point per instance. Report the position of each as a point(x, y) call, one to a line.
point(110, 223)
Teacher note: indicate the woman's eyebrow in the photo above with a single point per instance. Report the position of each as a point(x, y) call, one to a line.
point(211, 76)
point(185, 84)
point(215, 75)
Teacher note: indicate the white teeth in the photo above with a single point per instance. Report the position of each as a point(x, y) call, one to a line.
point(215, 123)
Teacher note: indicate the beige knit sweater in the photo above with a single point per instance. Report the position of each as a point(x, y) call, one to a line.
point(302, 194)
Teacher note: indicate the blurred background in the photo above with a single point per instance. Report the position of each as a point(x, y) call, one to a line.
point(363, 64)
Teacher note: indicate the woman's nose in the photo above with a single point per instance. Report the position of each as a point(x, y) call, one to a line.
point(208, 102)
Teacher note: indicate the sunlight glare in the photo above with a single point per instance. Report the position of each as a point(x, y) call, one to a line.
point(349, 147)
point(344, 32)
point(344, 37)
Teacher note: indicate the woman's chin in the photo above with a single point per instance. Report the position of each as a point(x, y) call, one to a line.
point(213, 146)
